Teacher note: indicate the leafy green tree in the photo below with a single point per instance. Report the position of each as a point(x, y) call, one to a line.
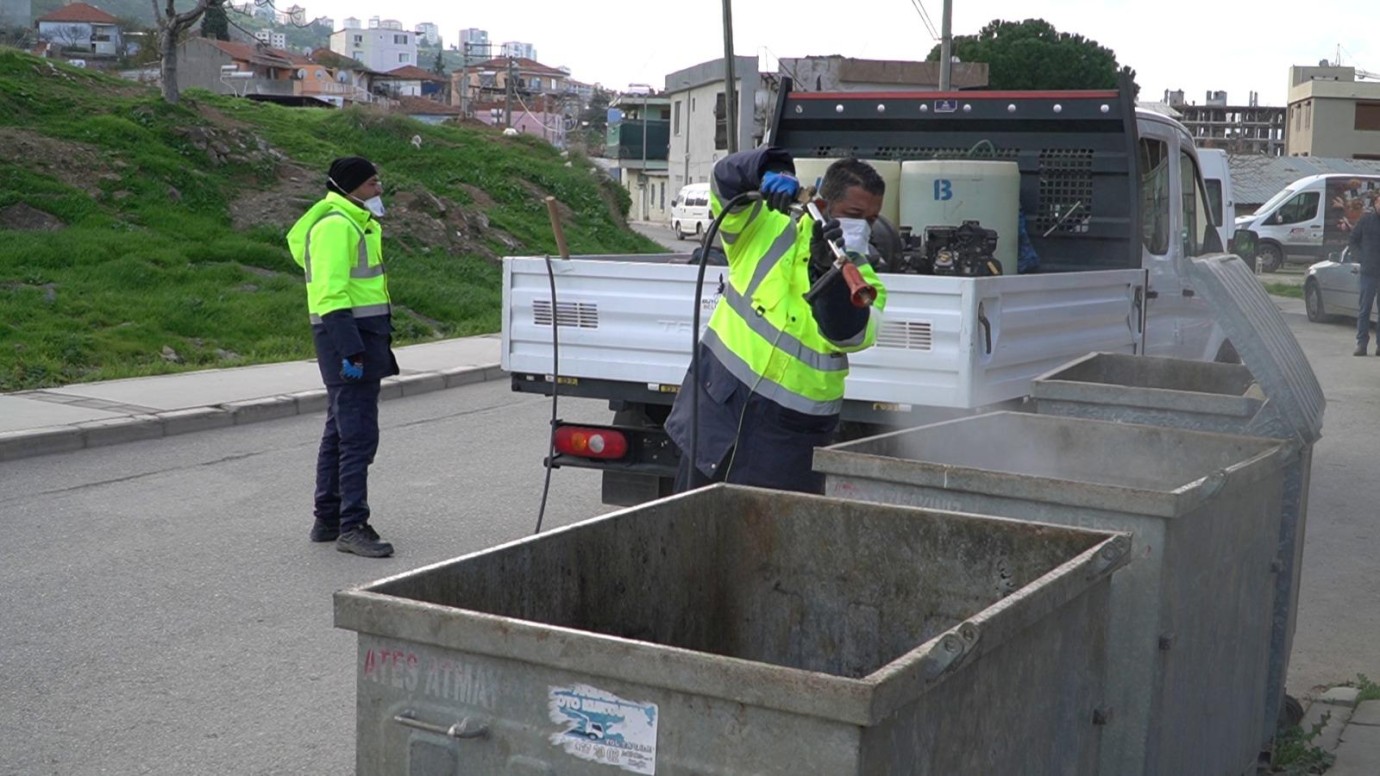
point(594, 121)
point(215, 24)
point(1031, 54)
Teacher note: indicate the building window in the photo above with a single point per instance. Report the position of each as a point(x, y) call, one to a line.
point(720, 123)
point(359, 40)
point(400, 40)
point(536, 84)
point(1308, 115)
point(1367, 116)
point(358, 55)
point(675, 119)
point(404, 57)
point(663, 195)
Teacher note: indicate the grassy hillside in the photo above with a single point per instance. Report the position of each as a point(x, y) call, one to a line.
point(138, 237)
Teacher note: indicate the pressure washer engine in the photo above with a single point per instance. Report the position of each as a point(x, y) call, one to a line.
point(968, 250)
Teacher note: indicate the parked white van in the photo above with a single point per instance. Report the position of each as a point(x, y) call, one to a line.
point(690, 211)
point(1212, 162)
point(1310, 217)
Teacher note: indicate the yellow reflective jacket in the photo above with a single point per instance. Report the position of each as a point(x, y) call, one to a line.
point(339, 246)
point(763, 330)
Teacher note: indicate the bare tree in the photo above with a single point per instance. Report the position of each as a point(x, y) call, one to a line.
point(72, 36)
point(171, 26)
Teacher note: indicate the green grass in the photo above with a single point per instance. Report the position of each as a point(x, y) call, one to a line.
point(148, 258)
point(1284, 289)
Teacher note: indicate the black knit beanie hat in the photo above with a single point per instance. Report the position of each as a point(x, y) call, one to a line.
point(349, 173)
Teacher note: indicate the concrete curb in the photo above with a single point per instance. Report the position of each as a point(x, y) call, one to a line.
point(29, 443)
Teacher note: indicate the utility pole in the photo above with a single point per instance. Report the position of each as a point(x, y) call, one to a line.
point(946, 48)
point(730, 90)
point(464, 78)
point(688, 97)
point(644, 156)
point(508, 96)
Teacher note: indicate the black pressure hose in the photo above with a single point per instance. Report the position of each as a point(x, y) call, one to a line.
point(555, 392)
point(709, 235)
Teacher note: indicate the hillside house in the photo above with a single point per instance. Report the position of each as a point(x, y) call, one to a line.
point(82, 29)
point(263, 73)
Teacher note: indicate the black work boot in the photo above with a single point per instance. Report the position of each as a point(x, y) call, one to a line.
point(322, 531)
point(1360, 350)
point(358, 542)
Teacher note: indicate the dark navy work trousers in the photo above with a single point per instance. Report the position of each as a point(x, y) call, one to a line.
point(348, 444)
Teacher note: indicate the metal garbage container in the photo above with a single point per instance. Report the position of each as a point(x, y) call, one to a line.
point(1274, 394)
point(735, 630)
point(1190, 623)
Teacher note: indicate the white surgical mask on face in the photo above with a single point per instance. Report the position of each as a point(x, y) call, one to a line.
point(856, 235)
point(374, 205)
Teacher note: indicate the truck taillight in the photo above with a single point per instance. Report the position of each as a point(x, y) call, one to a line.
point(586, 442)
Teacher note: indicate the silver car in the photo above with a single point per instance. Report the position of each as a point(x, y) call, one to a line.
point(1332, 288)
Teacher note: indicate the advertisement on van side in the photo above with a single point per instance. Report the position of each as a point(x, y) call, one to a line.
point(1347, 199)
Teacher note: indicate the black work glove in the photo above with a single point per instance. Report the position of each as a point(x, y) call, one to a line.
point(839, 321)
point(821, 255)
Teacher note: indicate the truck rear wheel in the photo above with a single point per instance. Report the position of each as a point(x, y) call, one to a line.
point(1269, 257)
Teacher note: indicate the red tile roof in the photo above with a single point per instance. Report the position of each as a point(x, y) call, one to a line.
point(524, 65)
point(80, 13)
point(249, 52)
point(414, 73)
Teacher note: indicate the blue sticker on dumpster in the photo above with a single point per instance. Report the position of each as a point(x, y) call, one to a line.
point(601, 727)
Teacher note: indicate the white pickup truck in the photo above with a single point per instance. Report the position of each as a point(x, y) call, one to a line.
point(1115, 204)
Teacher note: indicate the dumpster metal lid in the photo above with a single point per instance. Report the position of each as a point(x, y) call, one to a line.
point(1262, 337)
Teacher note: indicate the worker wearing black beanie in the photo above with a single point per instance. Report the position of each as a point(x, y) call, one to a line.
point(338, 244)
point(349, 173)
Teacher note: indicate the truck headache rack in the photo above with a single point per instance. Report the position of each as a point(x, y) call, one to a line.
point(1076, 151)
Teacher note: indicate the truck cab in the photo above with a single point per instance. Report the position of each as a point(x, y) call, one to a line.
point(1176, 225)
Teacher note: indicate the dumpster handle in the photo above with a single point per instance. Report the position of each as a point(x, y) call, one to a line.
point(986, 328)
point(460, 730)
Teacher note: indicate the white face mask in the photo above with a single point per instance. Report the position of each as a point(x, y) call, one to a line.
point(373, 204)
point(856, 235)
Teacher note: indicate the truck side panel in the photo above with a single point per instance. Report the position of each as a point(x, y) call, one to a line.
point(944, 341)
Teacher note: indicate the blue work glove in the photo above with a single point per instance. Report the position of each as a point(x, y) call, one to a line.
point(352, 370)
point(779, 191)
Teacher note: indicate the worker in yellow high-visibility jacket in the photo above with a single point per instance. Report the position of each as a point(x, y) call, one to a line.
point(338, 244)
point(772, 365)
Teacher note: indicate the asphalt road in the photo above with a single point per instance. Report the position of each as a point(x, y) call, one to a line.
point(164, 612)
point(1338, 632)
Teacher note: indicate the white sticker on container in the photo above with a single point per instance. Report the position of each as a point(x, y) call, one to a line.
point(601, 727)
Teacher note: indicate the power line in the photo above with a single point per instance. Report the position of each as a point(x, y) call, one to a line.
point(925, 17)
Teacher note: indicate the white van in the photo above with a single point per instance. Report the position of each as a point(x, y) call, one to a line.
point(1310, 217)
point(1212, 162)
point(690, 211)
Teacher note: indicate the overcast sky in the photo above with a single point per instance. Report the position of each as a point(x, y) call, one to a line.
point(1180, 44)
